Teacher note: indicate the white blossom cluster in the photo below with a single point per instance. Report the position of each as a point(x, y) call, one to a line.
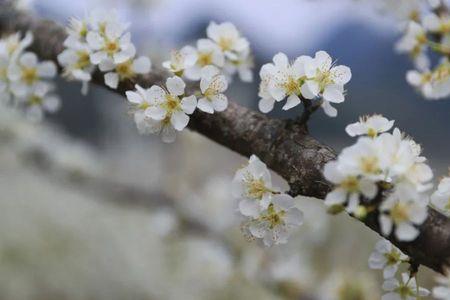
point(387, 257)
point(270, 215)
point(101, 40)
point(305, 78)
point(382, 171)
point(24, 80)
point(166, 110)
point(428, 30)
point(225, 48)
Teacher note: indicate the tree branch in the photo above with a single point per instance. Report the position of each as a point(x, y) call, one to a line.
point(285, 146)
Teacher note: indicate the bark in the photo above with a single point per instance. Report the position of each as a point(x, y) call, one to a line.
point(285, 146)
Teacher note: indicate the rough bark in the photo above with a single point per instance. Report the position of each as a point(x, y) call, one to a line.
point(286, 147)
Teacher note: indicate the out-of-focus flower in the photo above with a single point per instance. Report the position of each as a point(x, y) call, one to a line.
point(181, 60)
point(371, 126)
point(129, 69)
point(387, 257)
point(228, 38)
point(442, 291)
point(414, 42)
point(407, 289)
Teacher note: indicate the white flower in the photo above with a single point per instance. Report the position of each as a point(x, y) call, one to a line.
point(387, 257)
point(77, 64)
point(437, 24)
point(405, 290)
point(13, 45)
point(281, 79)
point(212, 86)
point(39, 101)
point(441, 197)
point(207, 53)
point(275, 224)
point(141, 100)
point(181, 60)
point(348, 187)
point(242, 65)
point(414, 42)
point(362, 158)
point(434, 84)
point(370, 126)
point(326, 80)
point(442, 291)
point(227, 38)
point(403, 209)
point(28, 73)
point(114, 43)
point(168, 112)
point(129, 69)
point(253, 185)
point(77, 31)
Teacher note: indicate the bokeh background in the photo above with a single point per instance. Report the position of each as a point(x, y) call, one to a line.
point(91, 210)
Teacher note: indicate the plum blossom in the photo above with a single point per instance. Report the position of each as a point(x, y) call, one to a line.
point(404, 210)
point(441, 197)
point(169, 109)
point(325, 80)
point(38, 101)
point(114, 44)
point(242, 65)
point(181, 60)
point(129, 69)
point(387, 257)
point(77, 64)
point(371, 126)
point(140, 101)
point(275, 224)
point(414, 42)
point(13, 45)
point(228, 38)
point(29, 73)
point(207, 53)
point(407, 289)
point(253, 185)
point(212, 86)
point(348, 187)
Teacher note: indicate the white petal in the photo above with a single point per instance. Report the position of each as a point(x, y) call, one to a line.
point(168, 134)
point(51, 104)
point(292, 101)
point(179, 120)
point(142, 65)
point(112, 80)
point(156, 113)
point(328, 109)
point(188, 104)
point(205, 105)
point(94, 40)
point(134, 97)
point(28, 59)
point(406, 232)
point(333, 93)
point(249, 207)
point(175, 85)
point(266, 105)
point(47, 69)
point(341, 74)
point(310, 89)
point(280, 60)
point(385, 224)
point(220, 102)
point(97, 57)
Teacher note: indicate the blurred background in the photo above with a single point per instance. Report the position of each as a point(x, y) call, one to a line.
point(91, 210)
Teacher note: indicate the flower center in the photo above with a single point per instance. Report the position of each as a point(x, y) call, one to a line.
point(204, 58)
point(34, 100)
point(324, 79)
point(172, 103)
point(274, 218)
point(125, 70)
point(372, 133)
point(292, 86)
point(351, 184)
point(404, 291)
point(225, 43)
point(369, 164)
point(143, 106)
point(29, 75)
point(400, 212)
point(83, 60)
point(256, 188)
point(392, 257)
point(111, 47)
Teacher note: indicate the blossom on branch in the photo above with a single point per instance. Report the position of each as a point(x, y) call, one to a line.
point(387, 257)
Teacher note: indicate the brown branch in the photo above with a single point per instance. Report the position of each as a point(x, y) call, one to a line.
point(285, 146)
